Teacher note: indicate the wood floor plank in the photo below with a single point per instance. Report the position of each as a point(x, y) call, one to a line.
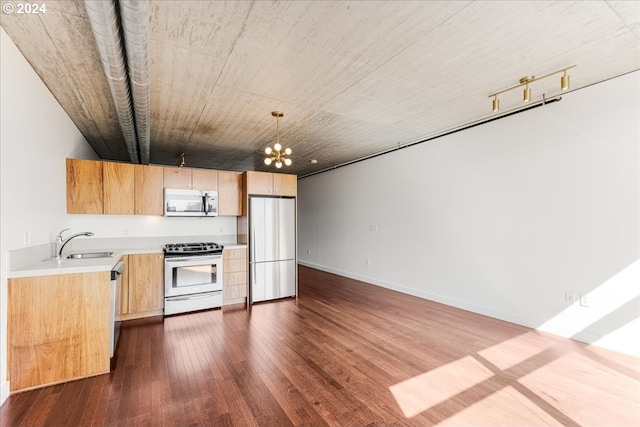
point(343, 353)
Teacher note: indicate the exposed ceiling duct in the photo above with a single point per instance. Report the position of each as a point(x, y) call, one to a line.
point(104, 23)
point(136, 27)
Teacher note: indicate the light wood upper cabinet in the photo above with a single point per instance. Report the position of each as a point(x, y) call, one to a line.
point(190, 178)
point(146, 282)
point(58, 328)
point(266, 183)
point(118, 188)
point(149, 187)
point(175, 177)
point(95, 187)
point(259, 183)
point(84, 186)
point(229, 193)
point(285, 184)
point(204, 179)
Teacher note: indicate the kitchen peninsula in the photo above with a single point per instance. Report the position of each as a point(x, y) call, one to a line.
point(58, 312)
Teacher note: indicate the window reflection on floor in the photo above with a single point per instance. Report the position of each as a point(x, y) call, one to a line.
point(424, 391)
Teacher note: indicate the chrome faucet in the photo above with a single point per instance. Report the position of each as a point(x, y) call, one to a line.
point(60, 243)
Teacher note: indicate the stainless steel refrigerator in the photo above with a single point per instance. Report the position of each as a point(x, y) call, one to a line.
point(272, 248)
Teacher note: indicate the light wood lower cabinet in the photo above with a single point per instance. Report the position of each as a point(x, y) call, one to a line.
point(144, 294)
point(234, 282)
point(58, 328)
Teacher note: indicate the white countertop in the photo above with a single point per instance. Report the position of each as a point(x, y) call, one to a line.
point(50, 267)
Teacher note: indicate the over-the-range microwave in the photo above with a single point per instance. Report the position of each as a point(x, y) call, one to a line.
point(179, 202)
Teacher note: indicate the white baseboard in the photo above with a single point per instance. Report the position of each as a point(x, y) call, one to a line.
point(4, 392)
point(464, 305)
point(552, 327)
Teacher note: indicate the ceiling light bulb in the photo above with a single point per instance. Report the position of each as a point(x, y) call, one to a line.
point(267, 150)
point(287, 151)
point(267, 161)
point(496, 104)
point(277, 147)
point(564, 81)
point(278, 164)
point(287, 162)
point(527, 95)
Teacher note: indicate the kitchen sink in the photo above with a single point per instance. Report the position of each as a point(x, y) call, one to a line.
point(91, 255)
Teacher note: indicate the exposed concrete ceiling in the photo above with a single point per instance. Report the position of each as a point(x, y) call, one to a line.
point(352, 78)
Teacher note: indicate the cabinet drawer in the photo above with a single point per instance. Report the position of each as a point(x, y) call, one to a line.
point(237, 278)
point(233, 265)
point(234, 253)
point(234, 292)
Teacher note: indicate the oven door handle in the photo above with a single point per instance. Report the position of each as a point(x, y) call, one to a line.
point(196, 259)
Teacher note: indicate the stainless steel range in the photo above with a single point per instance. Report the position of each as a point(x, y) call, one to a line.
point(192, 277)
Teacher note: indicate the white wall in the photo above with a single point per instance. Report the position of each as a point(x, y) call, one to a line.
point(36, 137)
point(500, 219)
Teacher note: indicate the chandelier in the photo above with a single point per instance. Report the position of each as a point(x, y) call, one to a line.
point(277, 153)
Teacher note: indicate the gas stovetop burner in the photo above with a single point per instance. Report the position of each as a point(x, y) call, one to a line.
point(182, 249)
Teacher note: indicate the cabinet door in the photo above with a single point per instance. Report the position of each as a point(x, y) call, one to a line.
point(118, 188)
point(285, 184)
point(149, 190)
point(234, 283)
point(204, 179)
point(177, 178)
point(84, 186)
point(229, 193)
point(124, 295)
point(58, 328)
point(259, 183)
point(146, 282)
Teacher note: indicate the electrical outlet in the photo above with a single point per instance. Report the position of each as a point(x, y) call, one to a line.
point(373, 228)
point(569, 297)
point(27, 238)
point(125, 231)
point(584, 300)
point(367, 262)
point(308, 251)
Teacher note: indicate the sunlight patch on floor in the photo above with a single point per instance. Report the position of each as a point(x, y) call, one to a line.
point(426, 390)
point(602, 388)
point(506, 407)
point(516, 350)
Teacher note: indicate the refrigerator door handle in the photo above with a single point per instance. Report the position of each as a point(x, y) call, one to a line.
point(253, 245)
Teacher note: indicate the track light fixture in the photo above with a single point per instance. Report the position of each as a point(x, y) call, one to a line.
point(276, 153)
point(181, 162)
point(526, 96)
point(564, 81)
point(525, 81)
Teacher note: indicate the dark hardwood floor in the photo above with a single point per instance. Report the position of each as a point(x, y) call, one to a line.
point(345, 354)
